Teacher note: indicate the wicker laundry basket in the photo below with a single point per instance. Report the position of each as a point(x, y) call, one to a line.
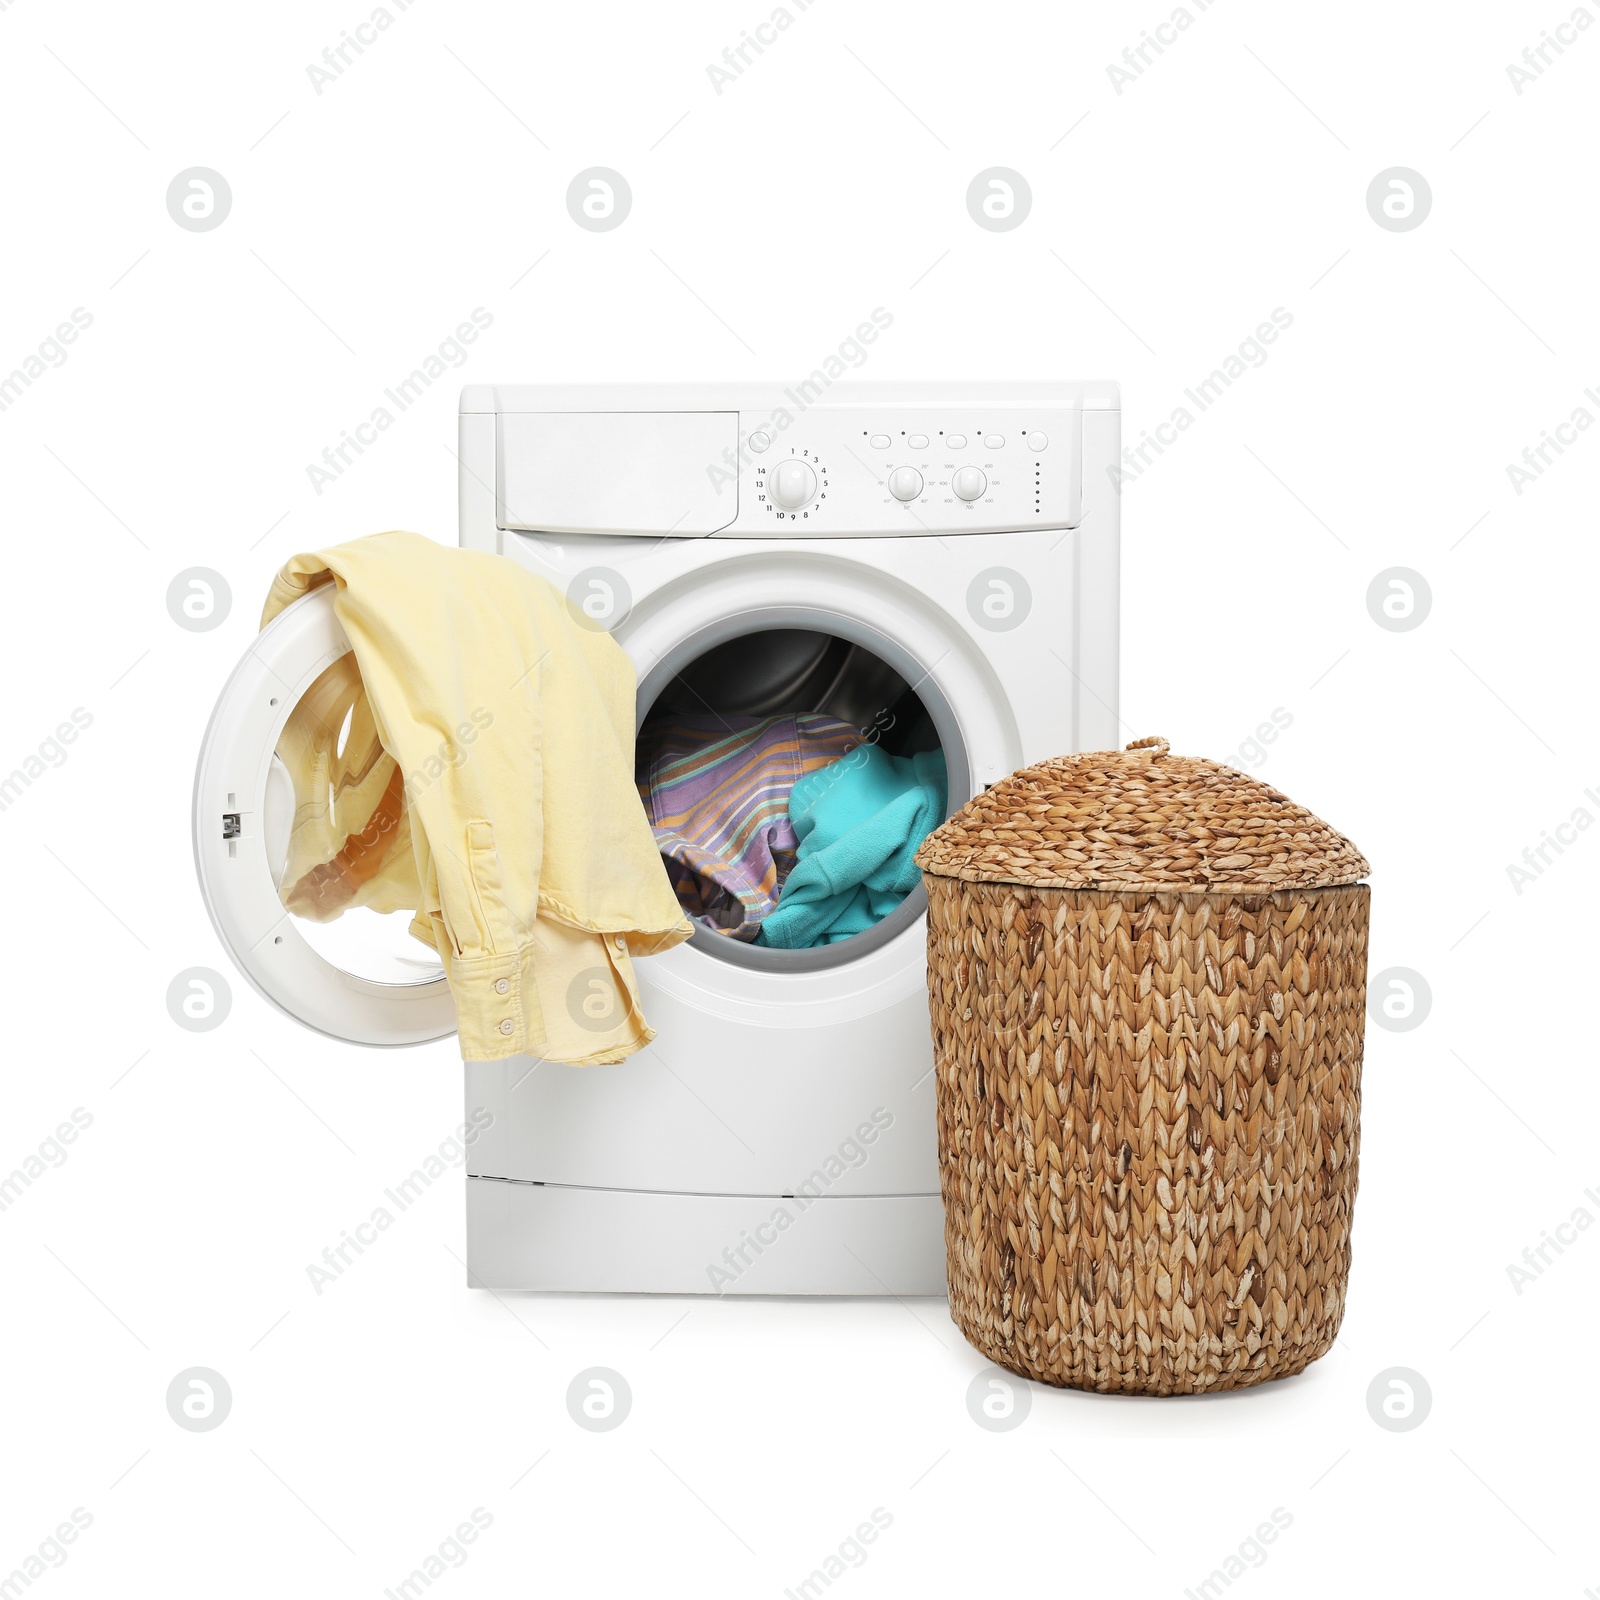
point(1147, 981)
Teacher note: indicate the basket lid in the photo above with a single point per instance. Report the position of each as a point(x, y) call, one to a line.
point(1139, 818)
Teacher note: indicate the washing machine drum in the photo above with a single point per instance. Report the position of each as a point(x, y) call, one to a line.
point(785, 670)
point(796, 671)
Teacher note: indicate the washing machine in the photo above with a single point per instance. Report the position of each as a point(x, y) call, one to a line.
point(936, 563)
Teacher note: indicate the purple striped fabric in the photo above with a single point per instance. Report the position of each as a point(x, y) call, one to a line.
point(716, 791)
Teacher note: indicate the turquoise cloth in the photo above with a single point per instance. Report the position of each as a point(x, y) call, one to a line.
point(859, 822)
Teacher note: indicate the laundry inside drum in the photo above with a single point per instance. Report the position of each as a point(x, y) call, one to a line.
point(789, 775)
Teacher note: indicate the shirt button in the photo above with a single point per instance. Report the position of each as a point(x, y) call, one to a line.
point(622, 944)
point(508, 1026)
point(501, 985)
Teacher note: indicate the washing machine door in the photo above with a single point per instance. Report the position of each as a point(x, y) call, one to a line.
point(361, 976)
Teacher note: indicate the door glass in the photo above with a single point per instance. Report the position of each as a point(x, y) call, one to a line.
point(339, 837)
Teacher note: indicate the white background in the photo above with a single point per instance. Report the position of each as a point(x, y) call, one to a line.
point(1229, 179)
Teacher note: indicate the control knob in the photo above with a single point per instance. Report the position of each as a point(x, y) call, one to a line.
point(792, 484)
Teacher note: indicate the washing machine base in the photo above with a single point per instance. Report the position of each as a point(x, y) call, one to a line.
point(620, 1241)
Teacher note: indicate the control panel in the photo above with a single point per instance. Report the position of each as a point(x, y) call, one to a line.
point(813, 460)
point(854, 473)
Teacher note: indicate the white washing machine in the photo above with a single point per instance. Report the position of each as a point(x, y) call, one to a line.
point(934, 562)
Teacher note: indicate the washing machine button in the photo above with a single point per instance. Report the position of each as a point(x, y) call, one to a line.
point(881, 441)
point(905, 483)
point(792, 484)
point(969, 483)
point(760, 441)
point(918, 441)
point(956, 441)
point(994, 441)
point(1037, 441)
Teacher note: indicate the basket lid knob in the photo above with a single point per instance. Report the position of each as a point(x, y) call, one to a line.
point(1155, 745)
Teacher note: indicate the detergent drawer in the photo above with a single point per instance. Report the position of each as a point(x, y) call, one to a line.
point(652, 474)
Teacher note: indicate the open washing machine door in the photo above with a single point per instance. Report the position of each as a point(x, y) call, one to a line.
point(361, 977)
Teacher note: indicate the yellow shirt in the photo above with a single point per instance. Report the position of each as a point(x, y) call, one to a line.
point(473, 762)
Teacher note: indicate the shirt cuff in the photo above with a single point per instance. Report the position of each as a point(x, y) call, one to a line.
point(497, 1005)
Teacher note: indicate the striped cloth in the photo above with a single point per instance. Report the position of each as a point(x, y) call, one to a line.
point(716, 790)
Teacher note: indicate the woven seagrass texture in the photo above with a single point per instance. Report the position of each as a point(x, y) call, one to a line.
point(1139, 819)
point(1147, 1120)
